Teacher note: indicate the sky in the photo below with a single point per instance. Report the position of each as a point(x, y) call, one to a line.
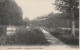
point(34, 8)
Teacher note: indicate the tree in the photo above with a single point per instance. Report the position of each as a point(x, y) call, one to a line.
point(26, 21)
point(10, 13)
point(69, 6)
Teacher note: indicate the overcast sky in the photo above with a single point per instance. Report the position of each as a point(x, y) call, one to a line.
point(34, 8)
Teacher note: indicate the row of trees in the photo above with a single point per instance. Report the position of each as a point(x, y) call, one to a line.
point(56, 20)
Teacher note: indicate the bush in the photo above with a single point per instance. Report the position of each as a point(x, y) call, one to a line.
point(2, 40)
point(24, 37)
point(66, 37)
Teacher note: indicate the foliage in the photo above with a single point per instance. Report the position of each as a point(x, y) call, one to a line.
point(25, 37)
point(67, 6)
point(66, 37)
point(10, 13)
point(56, 20)
point(26, 21)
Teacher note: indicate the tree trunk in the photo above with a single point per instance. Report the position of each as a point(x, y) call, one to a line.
point(68, 23)
point(73, 23)
point(73, 28)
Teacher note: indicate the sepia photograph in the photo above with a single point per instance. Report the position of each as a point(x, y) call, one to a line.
point(39, 24)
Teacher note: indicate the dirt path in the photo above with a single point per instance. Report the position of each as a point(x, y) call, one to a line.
point(53, 40)
point(56, 44)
